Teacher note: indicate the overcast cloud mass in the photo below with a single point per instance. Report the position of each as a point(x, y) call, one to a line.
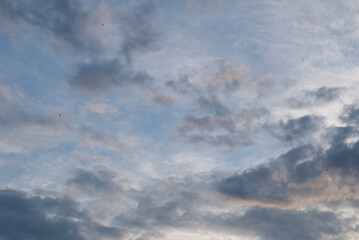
point(181, 120)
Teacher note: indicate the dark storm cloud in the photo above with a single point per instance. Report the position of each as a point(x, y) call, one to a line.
point(28, 217)
point(139, 29)
point(99, 182)
point(105, 75)
point(66, 20)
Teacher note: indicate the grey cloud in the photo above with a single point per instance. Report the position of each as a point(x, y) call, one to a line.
point(168, 203)
point(302, 176)
point(162, 98)
point(213, 104)
point(20, 118)
point(66, 20)
point(326, 94)
point(70, 23)
point(139, 29)
point(213, 123)
point(319, 96)
point(99, 76)
point(108, 140)
point(214, 130)
point(351, 115)
point(296, 130)
point(31, 217)
point(187, 203)
point(216, 125)
point(182, 85)
point(230, 78)
point(278, 224)
point(93, 183)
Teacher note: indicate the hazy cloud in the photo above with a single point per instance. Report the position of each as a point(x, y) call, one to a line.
point(94, 137)
point(105, 75)
point(162, 98)
point(139, 29)
point(321, 95)
point(94, 183)
point(66, 20)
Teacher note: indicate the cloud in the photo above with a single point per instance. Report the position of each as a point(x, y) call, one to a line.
point(304, 175)
point(213, 104)
point(351, 115)
point(162, 98)
point(139, 29)
point(94, 183)
point(21, 124)
point(319, 96)
point(214, 123)
point(277, 224)
point(326, 94)
point(101, 76)
point(71, 24)
point(98, 138)
point(189, 204)
point(230, 78)
point(101, 107)
point(182, 85)
point(215, 131)
point(31, 217)
point(65, 20)
point(297, 129)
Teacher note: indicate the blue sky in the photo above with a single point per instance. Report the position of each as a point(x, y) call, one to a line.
point(192, 119)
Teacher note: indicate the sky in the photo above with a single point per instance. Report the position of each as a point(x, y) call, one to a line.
point(179, 120)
